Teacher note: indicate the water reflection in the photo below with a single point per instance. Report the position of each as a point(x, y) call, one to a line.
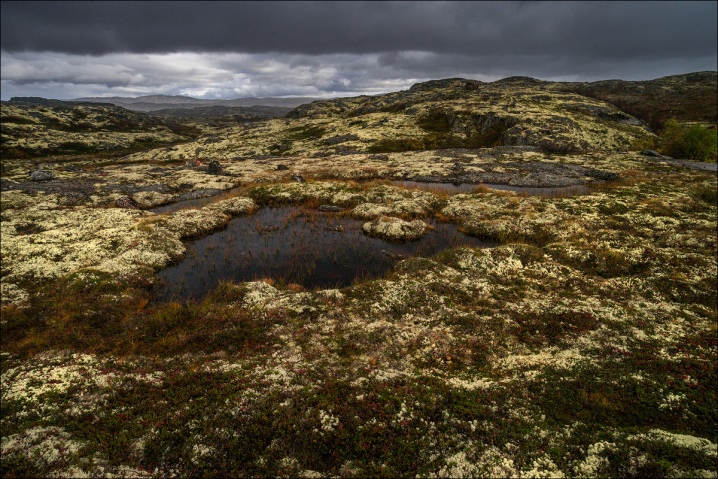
point(454, 188)
point(296, 245)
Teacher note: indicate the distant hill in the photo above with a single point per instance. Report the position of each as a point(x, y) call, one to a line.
point(162, 102)
point(237, 112)
point(554, 117)
point(692, 97)
point(33, 127)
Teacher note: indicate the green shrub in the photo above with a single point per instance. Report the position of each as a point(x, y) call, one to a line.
point(306, 132)
point(695, 142)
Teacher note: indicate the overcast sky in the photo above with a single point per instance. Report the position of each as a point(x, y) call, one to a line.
point(326, 49)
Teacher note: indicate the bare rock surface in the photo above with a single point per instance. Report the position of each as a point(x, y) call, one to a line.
point(55, 186)
point(534, 174)
point(214, 168)
point(42, 175)
point(126, 202)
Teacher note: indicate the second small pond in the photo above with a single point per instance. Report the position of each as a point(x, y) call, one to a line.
point(455, 188)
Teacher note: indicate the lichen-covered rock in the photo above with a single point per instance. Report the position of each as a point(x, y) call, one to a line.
point(42, 175)
point(148, 199)
point(214, 168)
point(651, 153)
point(368, 211)
point(234, 206)
point(395, 229)
point(194, 223)
point(126, 202)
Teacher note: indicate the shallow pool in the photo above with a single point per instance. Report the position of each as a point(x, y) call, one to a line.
point(456, 188)
point(296, 245)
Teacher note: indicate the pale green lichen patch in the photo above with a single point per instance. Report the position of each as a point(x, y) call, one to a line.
point(122, 242)
point(148, 199)
point(367, 211)
point(31, 130)
point(193, 223)
point(395, 229)
point(72, 239)
point(234, 206)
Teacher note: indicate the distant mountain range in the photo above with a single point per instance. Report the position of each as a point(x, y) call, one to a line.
point(163, 102)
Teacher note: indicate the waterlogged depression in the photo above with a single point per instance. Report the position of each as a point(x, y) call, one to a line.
point(296, 245)
point(456, 188)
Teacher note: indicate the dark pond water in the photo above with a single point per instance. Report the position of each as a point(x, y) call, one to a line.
point(452, 188)
point(295, 245)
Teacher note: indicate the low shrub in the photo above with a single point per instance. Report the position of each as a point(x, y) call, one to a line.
point(695, 142)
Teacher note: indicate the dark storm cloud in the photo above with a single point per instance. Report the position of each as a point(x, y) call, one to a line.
point(231, 49)
point(596, 29)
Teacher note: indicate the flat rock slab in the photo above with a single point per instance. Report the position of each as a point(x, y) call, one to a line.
point(55, 186)
point(694, 165)
point(536, 174)
point(690, 164)
point(130, 189)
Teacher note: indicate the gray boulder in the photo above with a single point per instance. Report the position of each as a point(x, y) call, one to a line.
point(41, 175)
point(126, 202)
point(214, 168)
point(651, 153)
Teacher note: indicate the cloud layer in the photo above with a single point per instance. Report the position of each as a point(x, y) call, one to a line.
point(230, 49)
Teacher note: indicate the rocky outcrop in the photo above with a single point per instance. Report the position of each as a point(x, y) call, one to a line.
point(395, 229)
point(41, 175)
point(367, 211)
point(653, 153)
point(126, 202)
point(534, 174)
point(214, 168)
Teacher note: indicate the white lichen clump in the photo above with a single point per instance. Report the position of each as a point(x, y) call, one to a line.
point(395, 229)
